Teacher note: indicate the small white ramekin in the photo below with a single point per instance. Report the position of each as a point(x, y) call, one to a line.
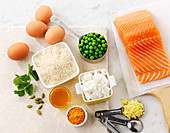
point(84, 119)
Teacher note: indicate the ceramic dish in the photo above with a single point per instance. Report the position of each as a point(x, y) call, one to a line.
point(82, 122)
point(112, 83)
point(51, 86)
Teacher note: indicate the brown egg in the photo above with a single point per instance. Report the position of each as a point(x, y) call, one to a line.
point(54, 35)
point(18, 51)
point(43, 14)
point(36, 28)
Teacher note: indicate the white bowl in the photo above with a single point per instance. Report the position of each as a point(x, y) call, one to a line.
point(79, 86)
point(51, 86)
point(84, 119)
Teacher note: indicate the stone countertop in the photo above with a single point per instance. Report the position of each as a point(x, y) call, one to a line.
point(87, 13)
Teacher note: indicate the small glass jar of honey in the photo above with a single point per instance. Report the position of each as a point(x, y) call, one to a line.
point(60, 97)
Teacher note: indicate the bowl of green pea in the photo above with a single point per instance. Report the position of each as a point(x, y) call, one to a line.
point(93, 47)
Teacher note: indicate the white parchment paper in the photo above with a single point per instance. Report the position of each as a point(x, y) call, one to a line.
point(160, 12)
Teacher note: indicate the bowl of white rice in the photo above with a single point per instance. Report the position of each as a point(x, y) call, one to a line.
point(55, 65)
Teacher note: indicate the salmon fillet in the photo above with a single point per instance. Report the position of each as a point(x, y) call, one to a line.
point(144, 46)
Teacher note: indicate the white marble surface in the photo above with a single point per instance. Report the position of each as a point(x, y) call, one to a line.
point(85, 13)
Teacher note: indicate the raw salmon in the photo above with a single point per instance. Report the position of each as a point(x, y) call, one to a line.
point(144, 46)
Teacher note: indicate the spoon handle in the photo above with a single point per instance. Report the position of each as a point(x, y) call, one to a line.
point(118, 120)
point(108, 112)
point(60, 23)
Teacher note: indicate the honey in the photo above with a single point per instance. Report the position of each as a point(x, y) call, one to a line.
point(60, 97)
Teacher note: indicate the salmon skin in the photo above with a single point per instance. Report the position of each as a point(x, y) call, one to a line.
point(144, 46)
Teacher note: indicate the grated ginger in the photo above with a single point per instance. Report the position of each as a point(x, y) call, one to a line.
point(132, 109)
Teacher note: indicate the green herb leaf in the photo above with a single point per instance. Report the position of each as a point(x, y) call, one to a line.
point(29, 89)
point(33, 73)
point(23, 85)
point(25, 78)
point(19, 92)
point(17, 80)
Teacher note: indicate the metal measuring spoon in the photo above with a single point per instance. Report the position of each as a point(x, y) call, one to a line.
point(54, 19)
point(112, 112)
point(133, 125)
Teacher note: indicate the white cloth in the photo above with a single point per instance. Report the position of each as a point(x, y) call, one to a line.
point(15, 117)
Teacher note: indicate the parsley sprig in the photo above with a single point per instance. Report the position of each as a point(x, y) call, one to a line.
point(23, 82)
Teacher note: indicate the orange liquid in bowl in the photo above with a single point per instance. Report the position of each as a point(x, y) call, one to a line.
point(60, 97)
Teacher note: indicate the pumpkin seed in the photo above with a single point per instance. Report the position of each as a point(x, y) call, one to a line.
point(32, 97)
point(37, 99)
point(43, 95)
point(29, 106)
point(40, 106)
point(41, 101)
point(37, 102)
point(39, 112)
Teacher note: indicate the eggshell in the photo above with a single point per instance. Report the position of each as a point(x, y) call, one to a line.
point(36, 28)
point(54, 35)
point(18, 51)
point(43, 14)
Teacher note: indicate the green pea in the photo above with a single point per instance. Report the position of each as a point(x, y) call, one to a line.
point(90, 47)
point(96, 53)
point(101, 37)
point(91, 33)
point(100, 52)
point(104, 52)
point(91, 51)
point(98, 39)
point(84, 37)
point(87, 46)
point(99, 46)
point(97, 50)
point(86, 51)
point(103, 41)
point(86, 41)
point(80, 49)
point(95, 47)
point(89, 39)
point(105, 49)
point(96, 34)
point(79, 45)
point(96, 56)
point(90, 43)
point(89, 54)
point(82, 41)
point(92, 39)
point(84, 47)
point(84, 55)
point(104, 45)
point(91, 57)
point(93, 44)
point(87, 57)
point(100, 55)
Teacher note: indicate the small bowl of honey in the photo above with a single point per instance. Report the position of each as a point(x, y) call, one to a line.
point(60, 97)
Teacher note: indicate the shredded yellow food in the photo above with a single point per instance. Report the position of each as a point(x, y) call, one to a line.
point(76, 115)
point(132, 109)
